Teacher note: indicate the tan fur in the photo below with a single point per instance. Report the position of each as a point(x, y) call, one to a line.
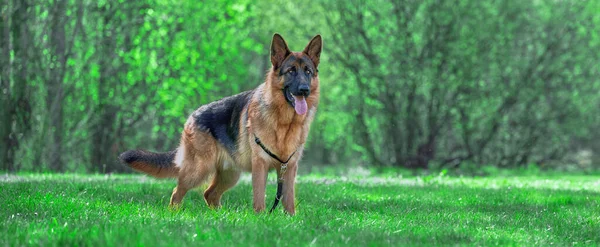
point(289, 136)
point(271, 118)
point(204, 156)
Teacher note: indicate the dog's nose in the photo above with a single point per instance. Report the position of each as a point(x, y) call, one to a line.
point(304, 90)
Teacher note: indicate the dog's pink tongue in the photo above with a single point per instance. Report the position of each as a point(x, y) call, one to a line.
point(301, 106)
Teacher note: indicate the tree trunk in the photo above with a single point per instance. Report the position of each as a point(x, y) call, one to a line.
point(5, 92)
point(55, 98)
point(21, 114)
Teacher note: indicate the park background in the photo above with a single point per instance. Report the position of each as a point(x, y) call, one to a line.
point(441, 122)
point(420, 84)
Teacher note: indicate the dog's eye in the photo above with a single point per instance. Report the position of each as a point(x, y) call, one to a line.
point(291, 71)
point(307, 70)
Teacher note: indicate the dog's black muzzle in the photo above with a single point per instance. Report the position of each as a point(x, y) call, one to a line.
point(303, 90)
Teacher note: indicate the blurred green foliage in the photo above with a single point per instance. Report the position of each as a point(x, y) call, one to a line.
point(433, 83)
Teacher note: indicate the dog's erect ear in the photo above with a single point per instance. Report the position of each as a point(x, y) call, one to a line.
point(313, 49)
point(279, 51)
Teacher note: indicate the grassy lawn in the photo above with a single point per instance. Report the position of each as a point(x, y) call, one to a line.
point(126, 210)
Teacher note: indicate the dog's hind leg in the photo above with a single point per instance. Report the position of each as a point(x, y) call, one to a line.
point(224, 180)
point(195, 171)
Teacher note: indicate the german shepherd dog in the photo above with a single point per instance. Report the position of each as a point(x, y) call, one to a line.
point(245, 132)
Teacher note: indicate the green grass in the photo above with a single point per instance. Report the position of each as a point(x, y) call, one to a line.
point(126, 210)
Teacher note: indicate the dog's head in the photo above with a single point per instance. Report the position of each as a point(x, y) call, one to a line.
point(296, 73)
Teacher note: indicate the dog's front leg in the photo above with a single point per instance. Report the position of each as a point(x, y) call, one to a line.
point(289, 181)
point(260, 170)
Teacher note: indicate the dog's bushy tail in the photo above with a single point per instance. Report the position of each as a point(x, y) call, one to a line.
point(160, 165)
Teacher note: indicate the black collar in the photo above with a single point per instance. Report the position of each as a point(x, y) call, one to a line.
point(257, 140)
